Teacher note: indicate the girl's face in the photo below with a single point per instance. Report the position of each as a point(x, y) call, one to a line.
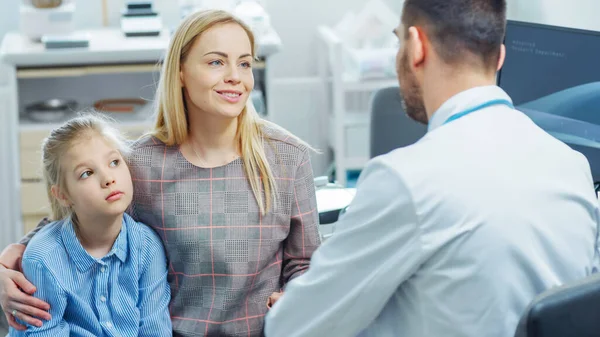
point(97, 180)
point(217, 72)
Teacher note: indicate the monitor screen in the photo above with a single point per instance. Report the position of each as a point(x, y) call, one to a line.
point(543, 60)
point(552, 74)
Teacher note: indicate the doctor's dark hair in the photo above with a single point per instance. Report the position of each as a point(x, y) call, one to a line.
point(460, 28)
point(62, 138)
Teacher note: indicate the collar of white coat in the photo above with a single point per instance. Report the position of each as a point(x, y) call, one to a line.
point(463, 101)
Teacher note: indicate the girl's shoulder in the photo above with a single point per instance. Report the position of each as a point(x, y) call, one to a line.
point(47, 239)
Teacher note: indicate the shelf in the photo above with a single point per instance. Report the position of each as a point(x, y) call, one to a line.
point(106, 46)
point(74, 71)
point(353, 84)
point(86, 70)
point(356, 163)
point(357, 119)
point(352, 119)
point(144, 116)
point(26, 125)
point(350, 84)
point(355, 137)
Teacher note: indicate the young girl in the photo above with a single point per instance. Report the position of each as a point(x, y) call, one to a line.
point(232, 196)
point(101, 272)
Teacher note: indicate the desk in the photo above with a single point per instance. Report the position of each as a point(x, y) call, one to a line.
point(113, 66)
point(331, 200)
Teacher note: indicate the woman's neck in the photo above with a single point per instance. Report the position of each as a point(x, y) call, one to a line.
point(213, 142)
point(97, 235)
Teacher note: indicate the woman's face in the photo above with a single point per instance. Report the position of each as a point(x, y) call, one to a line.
point(217, 72)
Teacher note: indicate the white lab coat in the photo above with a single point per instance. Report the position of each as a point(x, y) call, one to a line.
point(452, 236)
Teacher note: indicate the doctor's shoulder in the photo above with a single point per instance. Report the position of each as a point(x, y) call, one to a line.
point(403, 159)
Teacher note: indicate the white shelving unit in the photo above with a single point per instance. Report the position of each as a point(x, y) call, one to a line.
point(349, 100)
point(113, 66)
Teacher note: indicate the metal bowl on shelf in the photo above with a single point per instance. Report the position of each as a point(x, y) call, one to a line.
point(49, 111)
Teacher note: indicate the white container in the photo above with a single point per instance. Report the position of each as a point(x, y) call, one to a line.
point(35, 22)
point(187, 7)
point(254, 15)
point(370, 63)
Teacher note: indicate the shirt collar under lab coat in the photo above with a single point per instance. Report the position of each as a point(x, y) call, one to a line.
point(463, 101)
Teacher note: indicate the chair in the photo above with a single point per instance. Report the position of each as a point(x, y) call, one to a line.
point(572, 116)
point(570, 310)
point(391, 128)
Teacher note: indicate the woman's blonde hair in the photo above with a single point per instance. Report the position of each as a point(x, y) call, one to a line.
point(172, 125)
point(61, 139)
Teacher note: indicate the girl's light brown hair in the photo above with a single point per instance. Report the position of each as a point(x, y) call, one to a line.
point(58, 143)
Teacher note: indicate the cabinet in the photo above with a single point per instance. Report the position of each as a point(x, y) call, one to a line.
point(85, 85)
point(113, 66)
point(349, 106)
point(34, 198)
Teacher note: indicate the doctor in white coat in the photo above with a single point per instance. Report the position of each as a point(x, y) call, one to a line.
point(456, 234)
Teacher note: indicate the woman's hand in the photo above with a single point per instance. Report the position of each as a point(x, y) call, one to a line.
point(273, 298)
point(16, 291)
point(11, 256)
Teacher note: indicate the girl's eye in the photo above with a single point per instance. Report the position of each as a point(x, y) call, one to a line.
point(114, 163)
point(246, 65)
point(85, 174)
point(216, 63)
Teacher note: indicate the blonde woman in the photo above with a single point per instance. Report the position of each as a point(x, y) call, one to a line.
point(230, 195)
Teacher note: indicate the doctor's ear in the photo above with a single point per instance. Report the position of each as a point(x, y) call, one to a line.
point(501, 57)
point(418, 44)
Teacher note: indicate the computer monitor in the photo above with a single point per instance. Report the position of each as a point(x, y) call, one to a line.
point(542, 60)
point(552, 75)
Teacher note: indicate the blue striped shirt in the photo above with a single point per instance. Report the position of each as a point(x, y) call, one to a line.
point(123, 294)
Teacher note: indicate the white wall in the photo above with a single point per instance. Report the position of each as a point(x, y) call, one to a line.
point(88, 14)
point(293, 70)
point(296, 21)
point(296, 96)
point(297, 100)
point(582, 14)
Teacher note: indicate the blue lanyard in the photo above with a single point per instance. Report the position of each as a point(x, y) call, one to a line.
point(479, 107)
